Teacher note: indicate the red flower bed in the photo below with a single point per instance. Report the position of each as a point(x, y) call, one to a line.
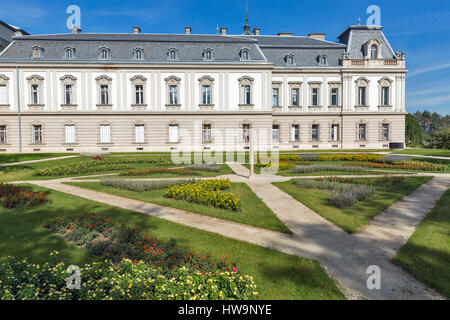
point(17, 197)
point(111, 240)
point(97, 158)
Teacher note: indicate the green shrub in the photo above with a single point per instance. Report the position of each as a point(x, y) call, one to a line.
point(129, 280)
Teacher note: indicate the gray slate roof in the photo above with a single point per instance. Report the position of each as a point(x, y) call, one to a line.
point(7, 32)
point(226, 49)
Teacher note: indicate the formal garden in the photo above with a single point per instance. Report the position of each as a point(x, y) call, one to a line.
point(127, 255)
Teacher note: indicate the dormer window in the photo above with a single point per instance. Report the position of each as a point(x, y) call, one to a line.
point(322, 60)
point(69, 53)
point(374, 52)
point(290, 60)
point(207, 54)
point(37, 52)
point(172, 54)
point(104, 53)
point(245, 54)
point(138, 54)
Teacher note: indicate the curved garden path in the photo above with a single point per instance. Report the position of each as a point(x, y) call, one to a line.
point(345, 257)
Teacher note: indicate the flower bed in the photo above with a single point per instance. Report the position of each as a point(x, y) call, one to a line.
point(95, 166)
point(17, 197)
point(205, 167)
point(130, 280)
point(351, 157)
point(208, 193)
point(320, 168)
point(385, 181)
point(408, 165)
point(141, 186)
point(111, 240)
point(146, 172)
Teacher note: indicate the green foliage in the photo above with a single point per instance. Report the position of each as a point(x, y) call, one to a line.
point(129, 280)
point(415, 135)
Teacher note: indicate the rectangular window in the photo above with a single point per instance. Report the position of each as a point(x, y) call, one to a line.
point(173, 95)
point(37, 134)
point(295, 94)
point(385, 96)
point(315, 97)
point(68, 94)
point(335, 132)
point(104, 94)
point(385, 131)
point(35, 94)
point(362, 96)
point(362, 132)
point(207, 133)
point(315, 132)
point(3, 94)
point(105, 133)
point(295, 133)
point(246, 95)
point(246, 133)
point(173, 133)
point(275, 97)
point(3, 135)
point(139, 131)
point(334, 96)
point(70, 133)
point(275, 133)
point(206, 95)
point(139, 89)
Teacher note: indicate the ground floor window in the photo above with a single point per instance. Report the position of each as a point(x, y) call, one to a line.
point(335, 132)
point(246, 133)
point(207, 133)
point(174, 133)
point(275, 133)
point(295, 133)
point(139, 133)
point(37, 134)
point(70, 133)
point(362, 132)
point(105, 133)
point(3, 135)
point(315, 132)
point(385, 131)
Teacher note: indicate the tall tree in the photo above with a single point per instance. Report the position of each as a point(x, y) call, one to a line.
point(415, 134)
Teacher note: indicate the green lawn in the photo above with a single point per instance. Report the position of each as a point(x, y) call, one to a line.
point(425, 152)
point(19, 157)
point(427, 253)
point(277, 275)
point(357, 216)
point(253, 212)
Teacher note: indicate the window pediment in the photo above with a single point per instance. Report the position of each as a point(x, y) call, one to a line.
point(138, 79)
point(35, 79)
point(363, 81)
point(68, 78)
point(103, 79)
point(246, 80)
point(206, 80)
point(172, 80)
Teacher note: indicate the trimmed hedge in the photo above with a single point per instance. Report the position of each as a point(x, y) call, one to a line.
point(129, 280)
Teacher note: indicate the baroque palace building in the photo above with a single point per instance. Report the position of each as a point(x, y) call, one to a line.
point(87, 92)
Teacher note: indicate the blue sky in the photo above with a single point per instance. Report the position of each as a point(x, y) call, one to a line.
point(421, 28)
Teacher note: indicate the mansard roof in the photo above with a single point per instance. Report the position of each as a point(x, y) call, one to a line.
point(7, 32)
point(355, 37)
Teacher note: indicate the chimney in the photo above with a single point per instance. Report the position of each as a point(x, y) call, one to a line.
point(257, 31)
point(136, 30)
point(318, 36)
point(188, 30)
point(285, 34)
point(76, 29)
point(223, 31)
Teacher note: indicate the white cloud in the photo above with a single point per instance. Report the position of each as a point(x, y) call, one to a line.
point(428, 101)
point(438, 67)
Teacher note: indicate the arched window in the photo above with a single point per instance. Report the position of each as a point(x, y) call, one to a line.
point(69, 53)
point(207, 54)
point(374, 51)
point(138, 54)
point(322, 60)
point(104, 53)
point(172, 54)
point(245, 54)
point(290, 60)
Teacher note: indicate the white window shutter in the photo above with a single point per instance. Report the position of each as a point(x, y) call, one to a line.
point(2, 94)
point(105, 134)
point(70, 134)
point(139, 132)
point(173, 133)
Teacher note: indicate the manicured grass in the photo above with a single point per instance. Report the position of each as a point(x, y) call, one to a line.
point(19, 157)
point(253, 211)
point(277, 275)
point(425, 152)
point(427, 253)
point(357, 216)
